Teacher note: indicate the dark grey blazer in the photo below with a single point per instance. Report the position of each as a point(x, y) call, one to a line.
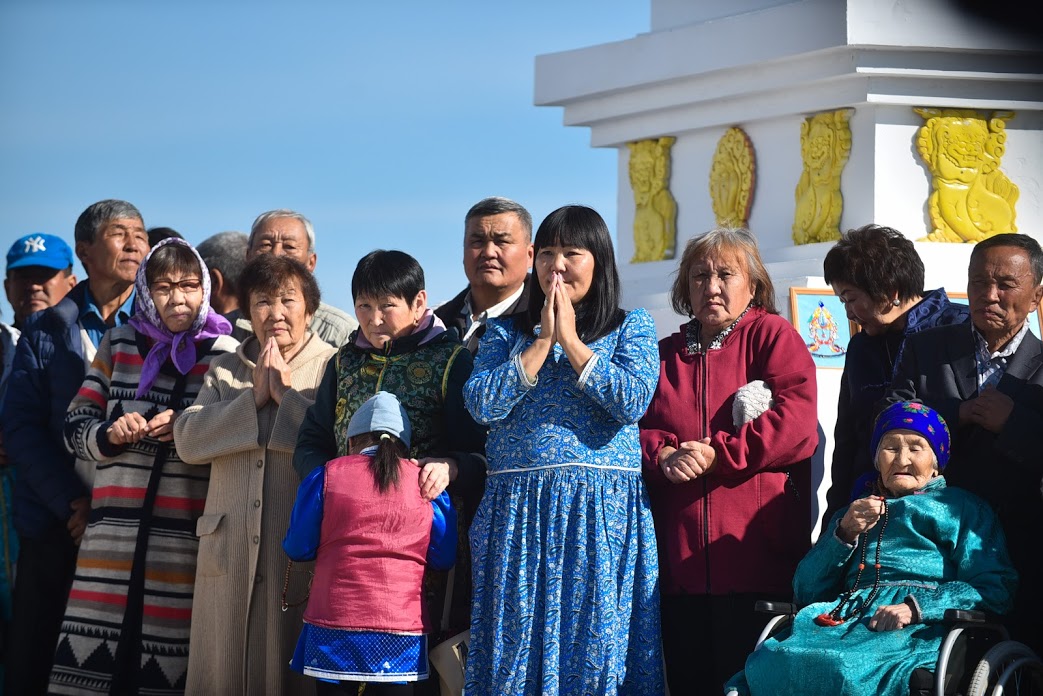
point(939, 368)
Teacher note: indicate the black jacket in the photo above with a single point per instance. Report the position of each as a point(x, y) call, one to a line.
point(451, 314)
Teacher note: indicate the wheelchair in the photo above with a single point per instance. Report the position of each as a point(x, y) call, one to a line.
point(1001, 666)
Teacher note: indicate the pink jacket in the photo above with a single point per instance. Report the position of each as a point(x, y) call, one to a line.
point(371, 548)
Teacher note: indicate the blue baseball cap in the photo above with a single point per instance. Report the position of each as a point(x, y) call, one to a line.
point(39, 250)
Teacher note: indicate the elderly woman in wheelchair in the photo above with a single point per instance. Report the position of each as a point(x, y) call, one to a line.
point(875, 587)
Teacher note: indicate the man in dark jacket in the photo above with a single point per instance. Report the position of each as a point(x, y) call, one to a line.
point(986, 379)
point(51, 492)
point(497, 258)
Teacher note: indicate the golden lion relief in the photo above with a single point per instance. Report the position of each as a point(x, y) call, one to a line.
point(971, 198)
point(655, 214)
point(732, 176)
point(825, 144)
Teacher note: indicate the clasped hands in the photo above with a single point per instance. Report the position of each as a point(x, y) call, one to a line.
point(271, 375)
point(132, 427)
point(557, 325)
point(558, 318)
point(688, 461)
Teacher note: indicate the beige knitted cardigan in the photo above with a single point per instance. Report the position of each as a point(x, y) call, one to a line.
point(241, 641)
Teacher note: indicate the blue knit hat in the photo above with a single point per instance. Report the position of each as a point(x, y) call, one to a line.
point(912, 415)
point(382, 413)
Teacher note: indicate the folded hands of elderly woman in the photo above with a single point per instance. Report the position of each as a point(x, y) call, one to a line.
point(690, 460)
point(132, 427)
point(271, 375)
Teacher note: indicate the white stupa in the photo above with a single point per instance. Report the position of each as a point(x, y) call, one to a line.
point(766, 65)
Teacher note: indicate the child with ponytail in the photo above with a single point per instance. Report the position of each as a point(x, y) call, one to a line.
point(361, 518)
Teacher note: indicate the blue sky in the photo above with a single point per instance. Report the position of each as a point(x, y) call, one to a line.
point(381, 121)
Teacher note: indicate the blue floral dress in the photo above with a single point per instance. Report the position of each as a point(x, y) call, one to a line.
point(943, 547)
point(566, 594)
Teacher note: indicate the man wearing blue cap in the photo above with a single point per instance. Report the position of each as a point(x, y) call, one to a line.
point(39, 274)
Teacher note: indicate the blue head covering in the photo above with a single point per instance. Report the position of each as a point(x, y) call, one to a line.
point(381, 413)
point(911, 415)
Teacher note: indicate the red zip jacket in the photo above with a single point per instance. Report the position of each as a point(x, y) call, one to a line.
point(745, 525)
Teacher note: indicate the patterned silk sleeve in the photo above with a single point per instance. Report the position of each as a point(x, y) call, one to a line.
point(623, 383)
point(302, 538)
point(85, 423)
point(985, 578)
point(495, 385)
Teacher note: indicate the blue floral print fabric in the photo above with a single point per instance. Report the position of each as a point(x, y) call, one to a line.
point(566, 597)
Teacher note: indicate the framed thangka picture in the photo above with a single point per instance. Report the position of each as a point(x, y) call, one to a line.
point(1033, 320)
point(819, 317)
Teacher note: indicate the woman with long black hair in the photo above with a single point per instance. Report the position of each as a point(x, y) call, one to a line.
point(563, 549)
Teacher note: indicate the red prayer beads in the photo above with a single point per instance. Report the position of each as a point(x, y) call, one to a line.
point(833, 617)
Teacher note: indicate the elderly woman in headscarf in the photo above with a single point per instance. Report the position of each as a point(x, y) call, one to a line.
point(894, 559)
point(126, 624)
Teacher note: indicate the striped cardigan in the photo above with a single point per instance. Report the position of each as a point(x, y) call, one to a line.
point(126, 626)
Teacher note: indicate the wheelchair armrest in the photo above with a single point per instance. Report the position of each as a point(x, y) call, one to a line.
point(776, 608)
point(972, 616)
point(966, 615)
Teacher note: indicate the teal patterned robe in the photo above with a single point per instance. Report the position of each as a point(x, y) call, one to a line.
point(942, 546)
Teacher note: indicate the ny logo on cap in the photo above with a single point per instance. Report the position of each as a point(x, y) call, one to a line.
point(33, 245)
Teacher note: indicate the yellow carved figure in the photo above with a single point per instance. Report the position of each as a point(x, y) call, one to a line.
point(971, 199)
point(825, 144)
point(732, 176)
point(655, 211)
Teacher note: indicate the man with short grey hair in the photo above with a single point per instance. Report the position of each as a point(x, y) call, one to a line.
point(497, 258)
point(225, 256)
point(288, 233)
point(52, 489)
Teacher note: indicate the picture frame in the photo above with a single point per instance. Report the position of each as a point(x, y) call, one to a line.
point(1034, 319)
point(819, 317)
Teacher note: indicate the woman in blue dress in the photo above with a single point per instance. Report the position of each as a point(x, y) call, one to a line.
point(896, 559)
point(564, 555)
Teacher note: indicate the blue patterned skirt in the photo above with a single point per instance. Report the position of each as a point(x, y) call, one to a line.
point(566, 594)
point(335, 654)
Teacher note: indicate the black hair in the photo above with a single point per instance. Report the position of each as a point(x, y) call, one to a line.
point(1019, 241)
point(158, 234)
point(598, 312)
point(384, 273)
point(170, 259)
point(497, 205)
point(384, 464)
point(268, 273)
point(880, 261)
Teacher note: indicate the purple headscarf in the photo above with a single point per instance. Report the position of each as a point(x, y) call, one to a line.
point(179, 347)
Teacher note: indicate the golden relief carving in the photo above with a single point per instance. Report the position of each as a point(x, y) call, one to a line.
point(825, 144)
point(655, 214)
point(732, 177)
point(971, 198)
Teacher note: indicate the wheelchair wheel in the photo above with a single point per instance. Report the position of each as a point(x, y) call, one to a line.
point(1003, 661)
